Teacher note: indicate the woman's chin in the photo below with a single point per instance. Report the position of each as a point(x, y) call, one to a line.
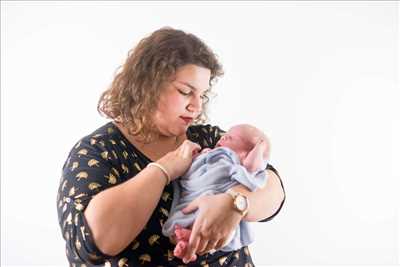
point(183, 131)
point(178, 131)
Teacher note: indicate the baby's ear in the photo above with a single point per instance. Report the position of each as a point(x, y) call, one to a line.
point(222, 139)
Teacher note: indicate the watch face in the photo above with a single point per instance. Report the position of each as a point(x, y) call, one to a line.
point(241, 203)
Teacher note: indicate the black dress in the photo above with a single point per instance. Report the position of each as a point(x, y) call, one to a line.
point(104, 159)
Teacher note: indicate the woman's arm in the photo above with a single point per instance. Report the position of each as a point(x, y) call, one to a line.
point(117, 215)
point(216, 217)
point(266, 201)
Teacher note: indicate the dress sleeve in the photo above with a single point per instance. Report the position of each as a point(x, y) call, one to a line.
point(87, 171)
point(270, 167)
point(214, 134)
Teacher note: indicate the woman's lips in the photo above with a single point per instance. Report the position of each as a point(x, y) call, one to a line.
point(187, 120)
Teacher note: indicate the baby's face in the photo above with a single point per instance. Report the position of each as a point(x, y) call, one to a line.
point(233, 140)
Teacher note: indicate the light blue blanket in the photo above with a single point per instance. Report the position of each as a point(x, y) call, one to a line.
point(212, 173)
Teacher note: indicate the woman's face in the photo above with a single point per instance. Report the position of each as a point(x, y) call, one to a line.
point(181, 100)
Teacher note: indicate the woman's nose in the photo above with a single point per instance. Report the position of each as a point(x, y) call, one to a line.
point(195, 105)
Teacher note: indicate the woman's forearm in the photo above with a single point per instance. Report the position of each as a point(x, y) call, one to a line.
point(265, 201)
point(117, 215)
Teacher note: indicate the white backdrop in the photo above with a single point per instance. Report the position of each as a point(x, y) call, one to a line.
point(319, 77)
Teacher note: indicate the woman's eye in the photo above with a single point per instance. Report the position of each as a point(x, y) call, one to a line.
point(184, 93)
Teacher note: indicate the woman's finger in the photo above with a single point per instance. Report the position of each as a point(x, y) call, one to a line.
point(187, 148)
point(191, 249)
point(201, 249)
point(210, 246)
point(191, 207)
point(220, 244)
point(193, 244)
point(194, 150)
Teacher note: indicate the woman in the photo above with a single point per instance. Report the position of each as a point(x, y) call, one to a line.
point(115, 191)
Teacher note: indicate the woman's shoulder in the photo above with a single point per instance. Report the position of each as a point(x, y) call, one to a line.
point(103, 142)
point(206, 135)
point(107, 134)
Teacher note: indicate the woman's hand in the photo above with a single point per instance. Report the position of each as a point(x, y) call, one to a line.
point(214, 223)
point(178, 161)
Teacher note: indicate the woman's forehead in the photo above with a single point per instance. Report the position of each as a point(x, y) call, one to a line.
point(195, 76)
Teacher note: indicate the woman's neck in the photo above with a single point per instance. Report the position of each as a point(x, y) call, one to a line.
point(157, 147)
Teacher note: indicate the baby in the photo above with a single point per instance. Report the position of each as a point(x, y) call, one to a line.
point(240, 157)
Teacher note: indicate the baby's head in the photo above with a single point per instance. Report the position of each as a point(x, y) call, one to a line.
point(242, 138)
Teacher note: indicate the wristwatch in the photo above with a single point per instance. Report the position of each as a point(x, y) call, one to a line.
point(240, 201)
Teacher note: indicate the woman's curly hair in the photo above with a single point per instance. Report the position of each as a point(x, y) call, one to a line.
point(134, 93)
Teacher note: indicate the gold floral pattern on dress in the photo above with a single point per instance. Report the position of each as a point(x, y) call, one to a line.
point(124, 168)
point(75, 165)
point(82, 175)
point(169, 255)
point(104, 155)
point(153, 240)
point(166, 196)
point(82, 152)
point(222, 260)
point(94, 186)
point(93, 162)
point(135, 245)
point(164, 212)
point(111, 178)
point(145, 258)
point(123, 262)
